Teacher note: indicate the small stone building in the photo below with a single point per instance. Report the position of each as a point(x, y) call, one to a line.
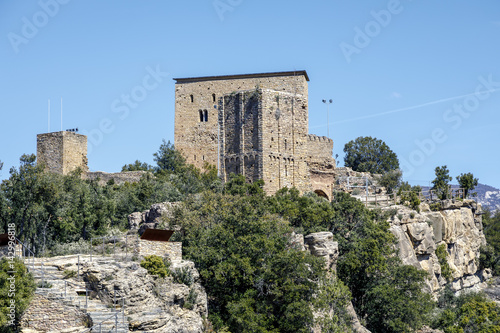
point(255, 125)
point(156, 242)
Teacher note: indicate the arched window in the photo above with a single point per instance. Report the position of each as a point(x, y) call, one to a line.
point(201, 115)
point(205, 115)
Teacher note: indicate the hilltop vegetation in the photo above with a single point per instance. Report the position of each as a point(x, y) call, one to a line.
point(239, 239)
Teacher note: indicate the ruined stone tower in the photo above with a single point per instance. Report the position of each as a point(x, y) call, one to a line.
point(62, 152)
point(255, 125)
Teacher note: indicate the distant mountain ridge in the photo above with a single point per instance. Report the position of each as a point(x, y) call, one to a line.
point(488, 196)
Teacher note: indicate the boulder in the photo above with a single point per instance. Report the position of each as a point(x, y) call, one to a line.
point(135, 219)
point(321, 244)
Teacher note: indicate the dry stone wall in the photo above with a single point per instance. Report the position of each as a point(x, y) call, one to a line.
point(172, 250)
point(44, 315)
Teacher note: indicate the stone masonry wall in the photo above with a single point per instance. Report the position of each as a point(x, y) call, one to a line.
point(62, 152)
point(163, 249)
point(197, 139)
point(261, 124)
point(48, 315)
point(118, 177)
point(284, 134)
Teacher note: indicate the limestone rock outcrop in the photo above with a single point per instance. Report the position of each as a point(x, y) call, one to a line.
point(152, 304)
point(321, 244)
point(456, 226)
point(151, 218)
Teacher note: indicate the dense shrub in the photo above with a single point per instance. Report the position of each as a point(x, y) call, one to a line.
point(155, 265)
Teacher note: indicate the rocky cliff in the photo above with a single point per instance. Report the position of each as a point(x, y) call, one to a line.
point(152, 304)
point(455, 227)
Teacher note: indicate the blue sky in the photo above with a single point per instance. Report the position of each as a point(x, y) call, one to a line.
point(421, 75)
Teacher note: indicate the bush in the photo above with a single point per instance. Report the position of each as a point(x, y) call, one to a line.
point(183, 275)
point(24, 290)
point(470, 312)
point(44, 284)
point(442, 254)
point(190, 299)
point(69, 273)
point(391, 180)
point(63, 249)
point(155, 265)
point(409, 195)
point(435, 207)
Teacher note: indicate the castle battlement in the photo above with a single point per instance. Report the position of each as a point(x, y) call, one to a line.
point(251, 124)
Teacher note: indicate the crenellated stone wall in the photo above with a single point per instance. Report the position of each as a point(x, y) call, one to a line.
point(118, 177)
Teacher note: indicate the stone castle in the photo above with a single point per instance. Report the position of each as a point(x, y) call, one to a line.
point(255, 125)
point(62, 152)
point(65, 151)
point(251, 124)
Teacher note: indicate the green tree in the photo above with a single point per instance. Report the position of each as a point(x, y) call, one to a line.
point(441, 183)
point(137, 166)
point(256, 280)
point(410, 195)
point(24, 289)
point(168, 159)
point(490, 254)
point(32, 199)
point(386, 293)
point(467, 182)
point(367, 154)
point(469, 312)
point(391, 180)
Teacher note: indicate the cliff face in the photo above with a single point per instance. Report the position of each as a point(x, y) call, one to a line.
point(458, 226)
point(151, 304)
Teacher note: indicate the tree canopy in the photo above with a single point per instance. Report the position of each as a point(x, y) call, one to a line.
point(440, 184)
point(467, 182)
point(367, 154)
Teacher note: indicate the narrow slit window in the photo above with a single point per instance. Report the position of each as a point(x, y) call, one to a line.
point(201, 115)
point(213, 98)
point(205, 115)
point(192, 98)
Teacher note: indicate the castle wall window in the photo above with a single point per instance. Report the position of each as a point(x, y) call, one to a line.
point(192, 98)
point(213, 98)
point(205, 115)
point(201, 115)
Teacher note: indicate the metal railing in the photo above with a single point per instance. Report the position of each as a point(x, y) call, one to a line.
point(99, 324)
point(130, 240)
point(31, 261)
point(378, 199)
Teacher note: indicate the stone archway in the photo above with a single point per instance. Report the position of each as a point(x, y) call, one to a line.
point(321, 193)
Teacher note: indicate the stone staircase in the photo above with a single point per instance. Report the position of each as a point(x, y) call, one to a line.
point(72, 292)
